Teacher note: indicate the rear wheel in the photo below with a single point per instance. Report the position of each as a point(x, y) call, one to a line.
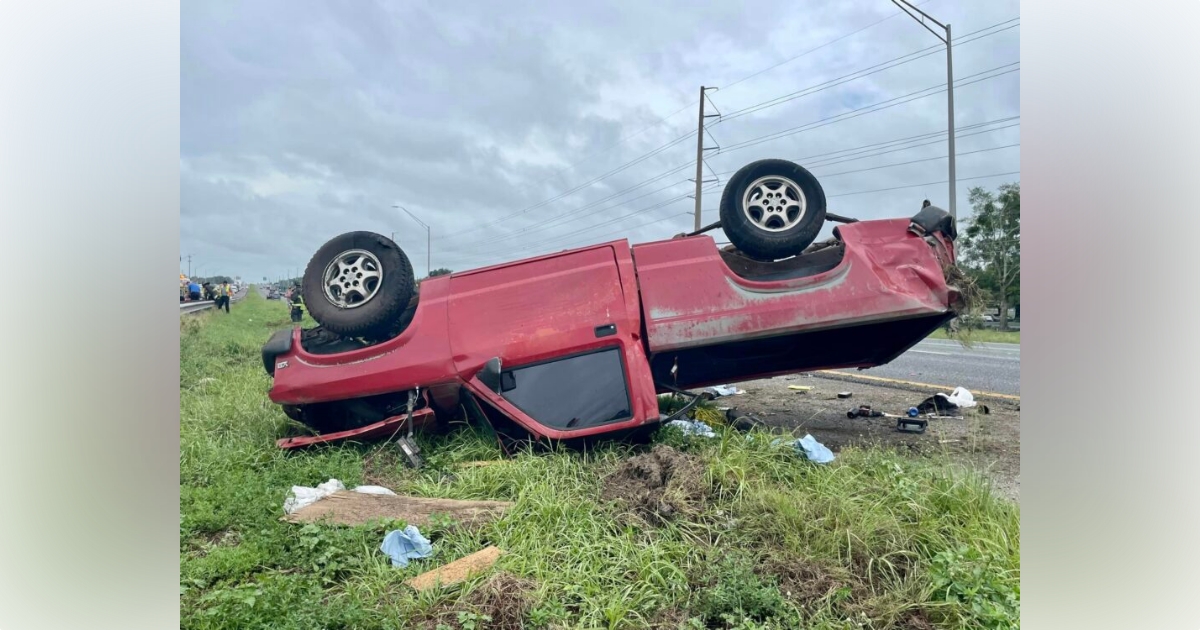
point(772, 209)
point(358, 284)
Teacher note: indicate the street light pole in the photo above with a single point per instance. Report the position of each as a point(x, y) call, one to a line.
point(428, 239)
point(905, 6)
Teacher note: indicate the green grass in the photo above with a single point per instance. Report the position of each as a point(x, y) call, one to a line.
point(986, 335)
point(874, 540)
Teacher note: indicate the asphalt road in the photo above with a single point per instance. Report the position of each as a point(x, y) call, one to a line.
point(992, 367)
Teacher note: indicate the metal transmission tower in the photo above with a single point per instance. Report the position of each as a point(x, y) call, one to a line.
point(700, 149)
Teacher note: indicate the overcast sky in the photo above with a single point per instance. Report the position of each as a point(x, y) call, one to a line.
point(500, 124)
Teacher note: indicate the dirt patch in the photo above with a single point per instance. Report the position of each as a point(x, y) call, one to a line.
point(383, 467)
point(658, 486)
point(205, 543)
point(805, 582)
point(989, 443)
point(673, 618)
point(505, 598)
point(914, 620)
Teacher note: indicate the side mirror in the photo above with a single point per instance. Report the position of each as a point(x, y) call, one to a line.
point(490, 374)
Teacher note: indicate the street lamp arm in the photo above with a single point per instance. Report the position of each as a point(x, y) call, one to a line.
point(906, 6)
point(428, 238)
point(414, 217)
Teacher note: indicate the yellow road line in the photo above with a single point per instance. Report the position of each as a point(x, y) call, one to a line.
point(940, 388)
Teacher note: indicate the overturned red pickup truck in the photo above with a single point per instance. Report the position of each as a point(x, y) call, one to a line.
point(579, 343)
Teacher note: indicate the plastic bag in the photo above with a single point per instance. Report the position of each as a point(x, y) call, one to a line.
point(961, 397)
point(814, 450)
point(303, 495)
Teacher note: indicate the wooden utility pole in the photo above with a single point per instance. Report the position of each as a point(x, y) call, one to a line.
point(699, 157)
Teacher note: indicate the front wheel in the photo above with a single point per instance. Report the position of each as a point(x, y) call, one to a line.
point(772, 209)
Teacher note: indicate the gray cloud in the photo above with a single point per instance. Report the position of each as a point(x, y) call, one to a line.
point(302, 120)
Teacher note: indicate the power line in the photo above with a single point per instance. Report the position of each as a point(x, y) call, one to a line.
point(617, 143)
point(892, 146)
point(812, 50)
point(677, 112)
point(808, 160)
point(619, 169)
point(928, 159)
point(566, 217)
point(944, 181)
point(865, 72)
point(752, 142)
point(867, 109)
point(831, 162)
point(682, 197)
point(664, 119)
point(661, 204)
point(838, 156)
point(672, 143)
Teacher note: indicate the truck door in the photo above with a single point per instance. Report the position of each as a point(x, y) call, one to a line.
point(568, 341)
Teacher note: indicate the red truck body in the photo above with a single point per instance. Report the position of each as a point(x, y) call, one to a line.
point(576, 330)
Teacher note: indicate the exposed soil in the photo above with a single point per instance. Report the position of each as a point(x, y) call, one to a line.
point(805, 582)
point(914, 620)
point(505, 598)
point(659, 485)
point(990, 443)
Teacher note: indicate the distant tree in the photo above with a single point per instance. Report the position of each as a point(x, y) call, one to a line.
point(213, 279)
point(440, 271)
point(991, 244)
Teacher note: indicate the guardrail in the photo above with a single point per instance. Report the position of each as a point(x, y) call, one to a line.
point(187, 308)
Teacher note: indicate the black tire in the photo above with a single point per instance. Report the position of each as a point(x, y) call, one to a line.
point(389, 295)
point(765, 234)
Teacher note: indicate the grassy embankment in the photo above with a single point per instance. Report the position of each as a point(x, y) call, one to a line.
point(760, 538)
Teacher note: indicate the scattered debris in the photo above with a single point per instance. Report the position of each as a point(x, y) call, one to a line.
point(865, 411)
point(911, 425)
point(724, 390)
point(845, 394)
point(814, 450)
point(947, 405)
point(356, 508)
point(960, 397)
point(405, 544)
point(455, 572)
point(800, 388)
point(936, 404)
point(658, 485)
point(693, 427)
point(303, 496)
